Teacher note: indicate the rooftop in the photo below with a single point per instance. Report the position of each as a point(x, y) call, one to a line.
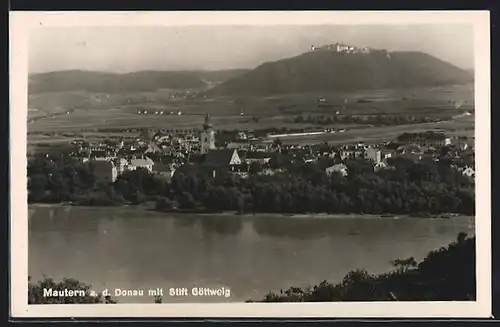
point(142, 162)
point(218, 157)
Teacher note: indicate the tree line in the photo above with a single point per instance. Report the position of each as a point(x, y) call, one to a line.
point(365, 119)
point(411, 187)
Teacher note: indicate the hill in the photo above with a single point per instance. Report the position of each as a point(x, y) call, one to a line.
point(331, 71)
point(78, 80)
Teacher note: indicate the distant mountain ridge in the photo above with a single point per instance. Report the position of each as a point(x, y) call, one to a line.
point(148, 80)
point(319, 71)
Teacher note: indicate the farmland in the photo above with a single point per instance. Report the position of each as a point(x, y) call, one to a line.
point(85, 114)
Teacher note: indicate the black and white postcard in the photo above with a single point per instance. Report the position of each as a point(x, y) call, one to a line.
point(250, 164)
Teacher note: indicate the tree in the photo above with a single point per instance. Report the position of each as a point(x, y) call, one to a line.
point(186, 201)
point(164, 204)
point(446, 274)
point(412, 188)
point(37, 185)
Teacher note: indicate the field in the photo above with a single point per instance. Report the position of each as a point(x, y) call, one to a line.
point(79, 113)
point(459, 127)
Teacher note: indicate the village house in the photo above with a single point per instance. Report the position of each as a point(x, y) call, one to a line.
point(338, 168)
point(121, 165)
point(372, 153)
point(152, 148)
point(145, 163)
point(461, 144)
point(101, 155)
point(425, 139)
point(410, 149)
point(309, 158)
point(241, 136)
point(469, 172)
point(382, 165)
point(162, 139)
point(351, 153)
point(387, 153)
point(255, 156)
point(245, 144)
point(328, 154)
point(104, 170)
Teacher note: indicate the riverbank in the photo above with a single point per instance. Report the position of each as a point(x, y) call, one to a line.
point(149, 207)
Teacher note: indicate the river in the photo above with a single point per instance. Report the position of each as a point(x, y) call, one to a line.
point(129, 248)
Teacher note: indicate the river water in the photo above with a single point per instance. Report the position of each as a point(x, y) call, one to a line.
point(129, 248)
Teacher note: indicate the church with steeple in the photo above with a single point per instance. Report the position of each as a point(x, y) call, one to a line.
point(207, 136)
point(211, 161)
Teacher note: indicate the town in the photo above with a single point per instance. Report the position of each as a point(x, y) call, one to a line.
point(215, 155)
point(163, 153)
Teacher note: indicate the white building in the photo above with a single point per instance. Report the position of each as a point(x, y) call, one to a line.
point(469, 172)
point(373, 154)
point(141, 163)
point(351, 154)
point(241, 136)
point(238, 145)
point(341, 47)
point(338, 168)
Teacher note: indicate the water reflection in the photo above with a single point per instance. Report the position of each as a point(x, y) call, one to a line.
point(314, 228)
point(221, 224)
point(184, 221)
point(292, 227)
point(65, 219)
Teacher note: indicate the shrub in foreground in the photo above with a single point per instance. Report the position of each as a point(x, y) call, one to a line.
point(447, 274)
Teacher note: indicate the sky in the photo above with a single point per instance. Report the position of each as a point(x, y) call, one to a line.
point(128, 49)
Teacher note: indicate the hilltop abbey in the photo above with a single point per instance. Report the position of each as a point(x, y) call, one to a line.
point(340, 47)
point(344, 48)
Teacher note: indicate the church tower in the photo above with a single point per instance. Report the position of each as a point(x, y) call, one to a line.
point(207, 136)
